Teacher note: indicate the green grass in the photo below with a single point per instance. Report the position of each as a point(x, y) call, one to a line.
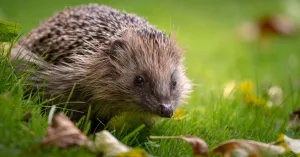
point(214, 56)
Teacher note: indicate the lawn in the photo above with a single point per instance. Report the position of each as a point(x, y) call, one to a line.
point(215, 55)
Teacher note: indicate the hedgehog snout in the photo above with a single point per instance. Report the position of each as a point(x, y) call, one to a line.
point(165, 110)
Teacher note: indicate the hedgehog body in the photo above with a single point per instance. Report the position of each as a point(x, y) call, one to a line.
point(114, 62)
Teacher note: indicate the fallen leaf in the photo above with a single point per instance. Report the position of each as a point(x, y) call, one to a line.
point(8, 30)
point(276, 24)
point(134, 153)
point(246, 87)
point(275, 95)
point(289, 143)
point(108, 145)
point(178, 114)
point(294, 122)
point(199, 147)
point(63, 134)
point(247, 148)
point(267, 25)
point(228, 89)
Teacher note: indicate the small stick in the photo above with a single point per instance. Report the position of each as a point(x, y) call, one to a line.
point(164, 137)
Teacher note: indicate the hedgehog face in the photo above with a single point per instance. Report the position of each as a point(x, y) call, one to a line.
point(150, 71)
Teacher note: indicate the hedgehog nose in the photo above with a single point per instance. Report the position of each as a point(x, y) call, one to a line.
point(166, 110)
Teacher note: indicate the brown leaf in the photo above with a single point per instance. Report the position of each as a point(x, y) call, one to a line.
point(267, 25)
point(247, 148)
point(276, 24)
point(63, 134)
point(199, 147)
point(294, 122)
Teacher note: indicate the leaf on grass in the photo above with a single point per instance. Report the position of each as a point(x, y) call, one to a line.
point(229, 89)
point(135, 152)
point(199, 147)
point(109, 145)
point(63, 134)
point(178, 114)
point(267, 25)
point(275, 95)
point(289, 143)
point(247, 148)
point(294, 122)
point(8, 31)
point(246, 87)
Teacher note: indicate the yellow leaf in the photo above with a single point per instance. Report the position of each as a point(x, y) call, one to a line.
point(246, 87)
point(178, 114)
point(253, 100)
point(133, 153)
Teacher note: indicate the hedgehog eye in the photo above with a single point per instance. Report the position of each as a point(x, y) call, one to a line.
point(173, 80)
point(174, 83)
point(138, 81)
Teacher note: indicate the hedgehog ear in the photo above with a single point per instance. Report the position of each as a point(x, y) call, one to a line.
point(116, 46)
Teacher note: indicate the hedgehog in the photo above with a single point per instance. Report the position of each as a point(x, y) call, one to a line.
point(107, 61)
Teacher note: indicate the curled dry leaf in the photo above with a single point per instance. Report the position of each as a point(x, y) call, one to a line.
point(63, 134)
point(199, 147)
point(290, 144)
point(247, 148)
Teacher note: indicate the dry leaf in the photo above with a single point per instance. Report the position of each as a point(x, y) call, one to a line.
point(108, 145)
point(199, 147)
point(290, 144)
point(228, 89)
point(294, 122)
point(247, 148)
point(267, 25)
point(63, 133)
point(275, 95)
point(277, 24)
